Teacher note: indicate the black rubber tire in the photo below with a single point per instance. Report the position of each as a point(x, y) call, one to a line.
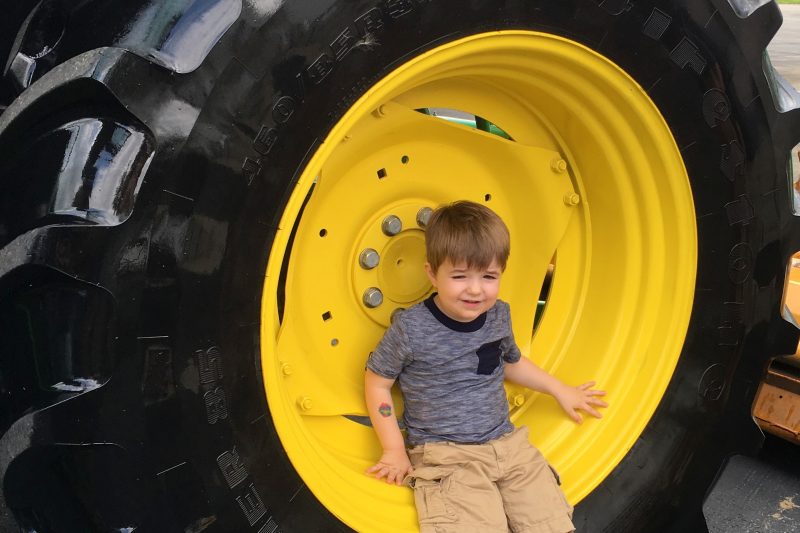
point(158, 313)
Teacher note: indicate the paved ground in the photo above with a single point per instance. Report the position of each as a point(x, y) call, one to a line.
point(758, 495)
point(784, 50)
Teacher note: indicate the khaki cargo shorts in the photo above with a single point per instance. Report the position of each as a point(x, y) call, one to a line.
point(502, 485)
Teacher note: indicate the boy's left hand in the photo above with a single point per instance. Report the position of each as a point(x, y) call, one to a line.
point(582, 397)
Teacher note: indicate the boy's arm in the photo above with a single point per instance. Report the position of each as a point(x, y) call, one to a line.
point(524, 372)
point(394, 463)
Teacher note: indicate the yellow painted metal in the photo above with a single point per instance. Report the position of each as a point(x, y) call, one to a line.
point(592, 176)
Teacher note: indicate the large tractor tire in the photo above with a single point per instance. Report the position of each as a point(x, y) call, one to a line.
point(210, 211)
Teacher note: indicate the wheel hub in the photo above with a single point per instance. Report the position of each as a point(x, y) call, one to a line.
point(399, 258)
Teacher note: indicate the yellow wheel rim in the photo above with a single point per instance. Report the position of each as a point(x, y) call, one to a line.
point(593, 176)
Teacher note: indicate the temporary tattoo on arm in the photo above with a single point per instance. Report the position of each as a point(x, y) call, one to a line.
point(385, 410)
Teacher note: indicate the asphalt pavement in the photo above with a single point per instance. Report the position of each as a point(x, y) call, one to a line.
point(784, 50)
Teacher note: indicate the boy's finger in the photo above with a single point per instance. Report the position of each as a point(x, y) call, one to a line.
point(596, 392)
point(376, 468)
point(587, 385)
point(600, 403)
point(592, 411)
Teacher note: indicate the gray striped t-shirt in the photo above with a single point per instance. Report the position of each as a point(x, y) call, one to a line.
point(450, 372)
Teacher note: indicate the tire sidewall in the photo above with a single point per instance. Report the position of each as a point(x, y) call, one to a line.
point(289, 84)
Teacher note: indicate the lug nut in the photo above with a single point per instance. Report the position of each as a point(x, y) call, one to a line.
point(373, 297)
point(305, 403)
point(423, 216)
point(558, 165)
point(380, 111)
point(392, 225)
point(572, 199)
point(519, 400)
point(287, 369)
point(368, 259)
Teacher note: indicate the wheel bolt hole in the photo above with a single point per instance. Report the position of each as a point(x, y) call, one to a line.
point(487, 197)
point(326, 316)
point(334, 342)
point(404, 159)
point(323, 232)
point(381, 173)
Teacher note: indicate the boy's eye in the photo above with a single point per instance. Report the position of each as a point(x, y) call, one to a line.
point(490, 276)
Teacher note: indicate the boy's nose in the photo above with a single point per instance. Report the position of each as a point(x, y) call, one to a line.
point(474, 286)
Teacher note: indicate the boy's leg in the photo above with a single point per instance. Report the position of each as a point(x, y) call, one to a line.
point(454, 489)
point(531, 496)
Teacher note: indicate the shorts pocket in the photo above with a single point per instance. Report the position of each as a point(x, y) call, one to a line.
point(430, 486)
point(561, 492)
point(555, 474)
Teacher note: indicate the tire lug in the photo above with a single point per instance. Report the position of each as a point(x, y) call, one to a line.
point(423, 216)
point(392, 225)
point(373, 297)
point(368, 258)
point(572, 199)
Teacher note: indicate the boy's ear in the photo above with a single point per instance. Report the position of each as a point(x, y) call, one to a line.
point(430, 273)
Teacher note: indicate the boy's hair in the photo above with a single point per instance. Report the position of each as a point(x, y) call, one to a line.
point(467, 232)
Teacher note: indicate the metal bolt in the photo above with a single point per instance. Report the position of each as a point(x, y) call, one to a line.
point(423, 216)
point(373, 297)
point(558, 165)
point(519, 399)
point(572, 199)
point(305, 403)
point(392, 225)
point(368, 258)
point(287, 369)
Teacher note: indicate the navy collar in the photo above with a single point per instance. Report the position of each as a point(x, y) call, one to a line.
point(455, 325)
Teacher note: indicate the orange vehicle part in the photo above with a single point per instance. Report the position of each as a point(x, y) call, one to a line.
point(777, 405)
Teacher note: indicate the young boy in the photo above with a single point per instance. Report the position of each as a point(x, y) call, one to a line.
point(471, 470)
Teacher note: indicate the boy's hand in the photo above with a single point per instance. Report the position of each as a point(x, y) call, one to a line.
point(394, 465)
point(582, 397)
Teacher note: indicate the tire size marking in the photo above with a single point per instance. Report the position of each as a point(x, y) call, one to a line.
point(209, 368)
point(360, 33)
point(233, 469)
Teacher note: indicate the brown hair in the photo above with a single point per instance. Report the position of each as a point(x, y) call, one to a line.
point(469, 232)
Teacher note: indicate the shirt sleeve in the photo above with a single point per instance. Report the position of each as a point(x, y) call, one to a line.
point(510, 350)
point(393, 352)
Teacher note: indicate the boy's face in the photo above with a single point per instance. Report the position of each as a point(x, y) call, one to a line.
point(465, 293)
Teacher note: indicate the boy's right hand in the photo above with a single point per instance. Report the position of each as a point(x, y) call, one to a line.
point(394, 465)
